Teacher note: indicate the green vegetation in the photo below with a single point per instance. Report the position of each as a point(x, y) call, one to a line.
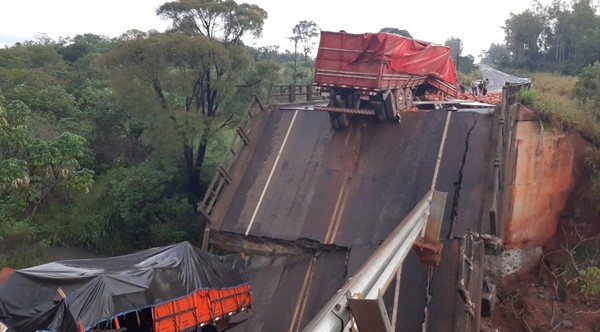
point(109, 143)
point(562, 37)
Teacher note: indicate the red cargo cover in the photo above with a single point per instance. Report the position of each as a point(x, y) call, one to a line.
point(399, 53)
point(409, 56)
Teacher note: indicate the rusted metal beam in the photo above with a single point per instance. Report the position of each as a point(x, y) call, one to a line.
point(358, 111)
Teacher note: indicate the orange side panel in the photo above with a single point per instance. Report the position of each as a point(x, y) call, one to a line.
point(200, 307)
point(244, 297)
point(216, 305)
point(203, 310)
point(163, 318)
point(229, 298)
point(186, 312)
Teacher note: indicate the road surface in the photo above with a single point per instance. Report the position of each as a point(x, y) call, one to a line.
point(351, 188)
point(496, 77)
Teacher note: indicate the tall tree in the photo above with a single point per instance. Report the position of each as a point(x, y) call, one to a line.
point(456, 45)
point(522, 33)
point(222, 20)
point(497, 54)
point(302, 34)
point(190, 77)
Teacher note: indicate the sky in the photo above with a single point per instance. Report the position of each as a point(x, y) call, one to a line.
point(476, 23)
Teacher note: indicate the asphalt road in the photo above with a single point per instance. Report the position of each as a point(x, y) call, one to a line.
point(497, 78)
point(351, 188)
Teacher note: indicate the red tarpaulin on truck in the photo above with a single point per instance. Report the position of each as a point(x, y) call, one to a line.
point(408, 55)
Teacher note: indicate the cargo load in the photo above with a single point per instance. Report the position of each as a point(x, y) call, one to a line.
point(171, 288)
point(379, 74)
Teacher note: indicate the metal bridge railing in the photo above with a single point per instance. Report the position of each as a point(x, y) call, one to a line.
point(291, 93)
point(376, 274)
point(223, 176)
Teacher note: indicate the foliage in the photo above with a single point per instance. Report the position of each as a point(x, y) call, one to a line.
point(497, 54)
point(189, 77)
point(589, 278)
point(137, 207)
point(587, 88)
point(303, 34)
point(397, 31)
point(527, 97)
point(464, 64)
point(34, 168)
point(562, 37)
point(89, 114)
point(592, 190)
point(225, 21)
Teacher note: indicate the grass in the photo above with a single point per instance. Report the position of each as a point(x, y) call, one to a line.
point(556, 107)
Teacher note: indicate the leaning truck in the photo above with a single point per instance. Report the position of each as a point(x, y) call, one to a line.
point(379, 74)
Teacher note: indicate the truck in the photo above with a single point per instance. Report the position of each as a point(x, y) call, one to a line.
point(379, 74)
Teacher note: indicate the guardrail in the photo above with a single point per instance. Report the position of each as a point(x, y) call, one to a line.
point(469, 282)
point(223, 176)
point(504, 131)
point(292, 93)
point(375, 276)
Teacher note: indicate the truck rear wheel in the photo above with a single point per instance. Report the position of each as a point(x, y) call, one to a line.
point(408, 95)
point(339, 120)
point(334, 121)
point(400, 99)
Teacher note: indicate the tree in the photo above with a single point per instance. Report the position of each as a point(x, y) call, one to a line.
point(522, 34)
point(497, 54)
point(222, 20)
point(34, 168)
point(587, 88)
point(397, 31)
point(190, 77)
point(303, 33)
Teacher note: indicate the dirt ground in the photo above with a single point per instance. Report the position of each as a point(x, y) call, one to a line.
point(549, 298)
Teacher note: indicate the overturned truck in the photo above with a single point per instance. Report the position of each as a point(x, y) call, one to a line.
point(165, 289)
point(379, 74)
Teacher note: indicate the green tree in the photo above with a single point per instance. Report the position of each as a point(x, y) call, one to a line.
point(138, 207)
point(33, 169)
point(522, 33)
point(303, 33)
point(397, 31)
point(190, 77)
point(497, 54)
point(225, 21)
point(587, 88)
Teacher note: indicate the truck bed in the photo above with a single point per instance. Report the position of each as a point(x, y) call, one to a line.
point(381, 61)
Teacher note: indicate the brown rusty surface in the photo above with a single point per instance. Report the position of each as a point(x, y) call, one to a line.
point(429, 253)
point(545, 174)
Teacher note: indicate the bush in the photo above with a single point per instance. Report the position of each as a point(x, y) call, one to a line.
point(527, 97)
point(590, 280)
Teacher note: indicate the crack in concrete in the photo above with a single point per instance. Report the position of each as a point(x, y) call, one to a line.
point(458, 183)
point(262, 245)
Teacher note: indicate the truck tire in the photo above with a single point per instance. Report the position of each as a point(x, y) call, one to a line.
point(389, 105)
point(379, 109)
point(343, 120)
point(408, 95)
point(400, 99)
point(334, 121)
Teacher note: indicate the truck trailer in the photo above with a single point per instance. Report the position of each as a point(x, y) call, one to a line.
point(379, 74)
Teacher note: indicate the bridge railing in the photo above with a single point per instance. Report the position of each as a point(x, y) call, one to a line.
point(292, 93)
point(223, 174)
point(504, 133)
point(362, 293)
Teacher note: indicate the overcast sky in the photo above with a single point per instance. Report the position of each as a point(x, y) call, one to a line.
point(477, 23)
